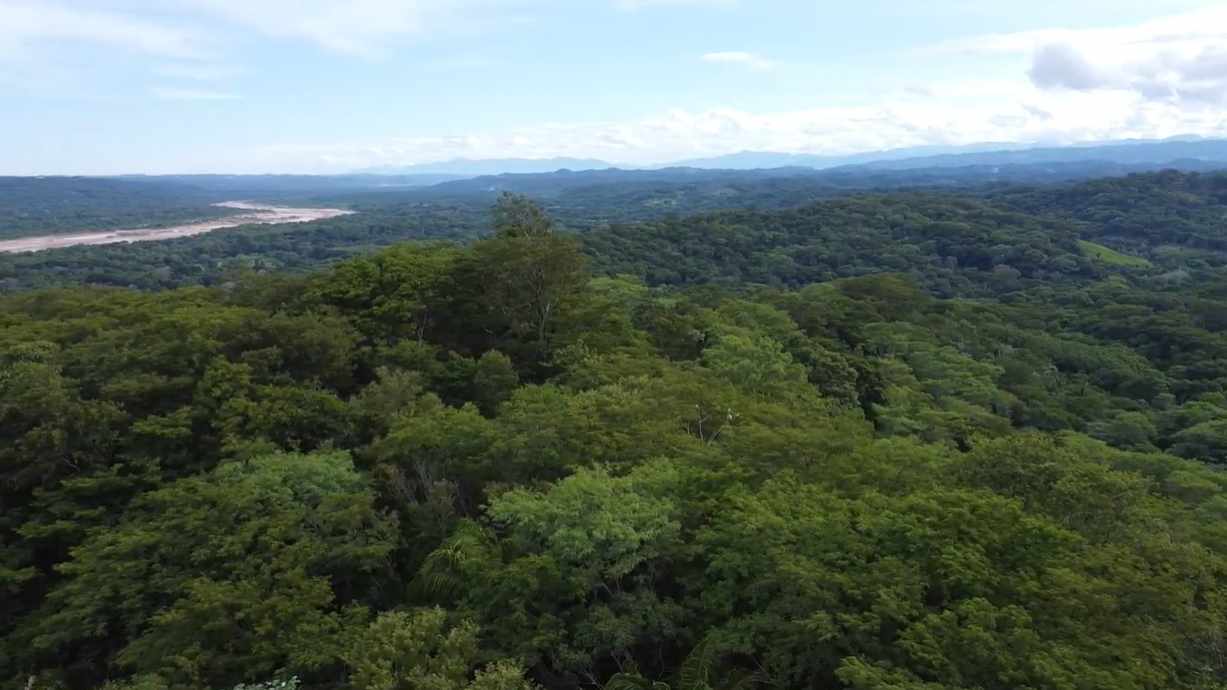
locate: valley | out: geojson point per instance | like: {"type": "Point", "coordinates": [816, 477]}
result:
{"type": "Point", "coordinates": [250, 214]}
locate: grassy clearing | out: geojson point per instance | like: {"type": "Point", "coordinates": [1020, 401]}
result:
{"type": "Point", "coordinates": [1111, 257]}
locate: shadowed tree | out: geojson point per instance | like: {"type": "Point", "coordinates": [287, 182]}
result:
{"type": "Point", "coordinates": [526, 269]}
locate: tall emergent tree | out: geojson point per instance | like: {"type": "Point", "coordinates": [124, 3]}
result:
{"type": "Point", "coordinates": [526, 269]}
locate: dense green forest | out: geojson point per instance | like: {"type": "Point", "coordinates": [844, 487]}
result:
{"type": "Point", "coordinates": [903, 441]}
{"type": "Point", "coordinates": [51, 205]}
{"type": "Point", "coordinates": [396, 208]}
{"type": "Point", "coordinates": [214, 258]}
{"type": "Point", "coordinates": [776, 227]}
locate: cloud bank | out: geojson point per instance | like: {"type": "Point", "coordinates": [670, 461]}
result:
{"type": "Point", "coordinates": [909, 120]}
{"type": "Point", "coordinates": [1152, 79]}
{"type": "Point", "coordinates": [1180, 58]}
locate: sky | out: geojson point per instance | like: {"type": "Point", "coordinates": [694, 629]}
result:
{"type": "Point", "coordinates": [327, 86]}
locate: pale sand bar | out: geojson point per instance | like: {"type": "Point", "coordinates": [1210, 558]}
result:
{"type": "Point", "coordinates": [256, 214]}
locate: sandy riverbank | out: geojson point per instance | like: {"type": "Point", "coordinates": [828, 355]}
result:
{"type": "Point", "coordinates": [254, 214]}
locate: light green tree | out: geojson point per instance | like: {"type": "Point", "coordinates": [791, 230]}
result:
{"type": "Point", "coordinates": [418, 650]}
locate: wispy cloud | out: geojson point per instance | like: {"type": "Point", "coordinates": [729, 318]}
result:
{"type": "Point", "coordinates": [365, 28]}
{"type": "Point", "coordinates": [351, 27]}
{"type": "Point", "coordinates": [177, 94]}
{"type": "Point", "coordinates": [25, 23]}
{"type": "Point", "coordinates": [737, 57]}
{"type": "Point", "coordinates": [185, 28]}
{"type": "Point", "coordinates": [195, 71]}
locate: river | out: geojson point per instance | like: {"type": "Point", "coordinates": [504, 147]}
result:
{"type": "Point", "coordinates": [253, 214]}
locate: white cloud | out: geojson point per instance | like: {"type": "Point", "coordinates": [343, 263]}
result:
{"type": "Point", "coordinates": [1153, 79]}
{"type": "Point", "coordinates": [25, 23]}
{"type": "Point", "coordinates": [953, 113]}
{"type": "Point", "coordinates": [1179, 58]}
{"type": "Point", "coordinates": [737, 57]}
{"type": "Point", "coordinates": [1057, 65]}
{"type": "Point", "coordinates": [167, 93]}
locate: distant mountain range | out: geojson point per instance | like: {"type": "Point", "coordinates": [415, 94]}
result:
{"type": "Point", "coordinates": [792, 175]}
{"type": "Point", "coordinates": [1133, 152]}
{"type": "Point", "coordinates": [1126, 153]}
{"type": "Point", "coordinates": [469, 167]}
{"type": "Point", "coordinates": [733, 184]}
{"type": "Point", "coordinates": [753, 160]}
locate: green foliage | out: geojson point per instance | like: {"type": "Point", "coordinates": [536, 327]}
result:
{"type": "Point", "coordinates": [756, 363]}
{"type": "Point", "coordinates": [291, 683]}
{"type": "Point", "coordinates": [419, 651]}
{"type": "Point", "coordinates": [392, 294]}
{"type": "Point", "coordinates": [1207, 441]}
{"type": "Point", "coordinates": [198, 575]}
{"type": "Point", "coordinates": [968, 457]}
{"type": "Point", "coordinates": [515, 215]}
{"type": "Point", "coordinates": [53, 205]}
{"type": "Point", "coordinates": [1111, 257]}
{"type": "Point", "coordinates": [494, 380]}
{"type": "Point", "coordinates": [527, 277]}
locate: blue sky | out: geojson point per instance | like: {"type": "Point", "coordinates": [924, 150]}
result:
{"type": "Point", "coordinates": [119, 86]}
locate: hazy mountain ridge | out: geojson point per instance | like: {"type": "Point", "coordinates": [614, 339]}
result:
{"type": "Point", "coordinates": [748, 160]}
{"type": "Point", "coordinates": [471, 167]}
{"type": "Point", "coordinates": [1140, 153]}
{"type": "Point", "coordinates": [49, 205]}
{"type": "Point", "coordinates": [988, 153]}
{"type": "Point", "coordinates": [229, 185]}
{"type": "Point", "coordinates": [844, 178]}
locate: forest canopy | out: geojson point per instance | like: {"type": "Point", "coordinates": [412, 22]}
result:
{"type": "Point", "coordinates": [887, 442]}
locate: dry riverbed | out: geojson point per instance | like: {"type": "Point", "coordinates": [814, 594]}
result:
{"type": "Point", "coordinates": [253, 214]}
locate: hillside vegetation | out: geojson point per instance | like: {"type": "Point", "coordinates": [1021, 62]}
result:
{"type": "Point", "coordinates": [801, 225]}
{"type": "Point", "coordinates": [54, 205]}
{"type": "Point", "coordinates": [889, 442]}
